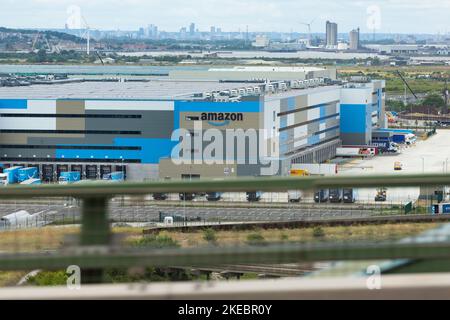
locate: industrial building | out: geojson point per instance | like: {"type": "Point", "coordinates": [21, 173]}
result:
{"type": "Point", "coordinates": [99, 127]}
{"type": "Point", "coordinates": [362, 111]}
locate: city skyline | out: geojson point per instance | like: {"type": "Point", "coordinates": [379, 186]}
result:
{"type": "Point", "coordinates": [393, 16]}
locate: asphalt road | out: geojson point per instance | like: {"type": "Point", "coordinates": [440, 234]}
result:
{"type": "Point", "coordinates": [429, 156]}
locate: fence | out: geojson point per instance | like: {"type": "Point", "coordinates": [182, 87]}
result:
{"type": "Point", "coordinates": [96, 247]}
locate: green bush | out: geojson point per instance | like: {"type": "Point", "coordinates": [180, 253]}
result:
{"type": "Point", "coordinates": [256, 239]}
{"type": "Point", "coordinates": [284, 237]}
{"type": "Point", "coordinates": [46, 278]}
{"type": "Point", "coordinates": [318, 232]}
{"type": "Point", "coordinates": [156, 241]}
{"type": "Point", "coordinates": [210, 236]}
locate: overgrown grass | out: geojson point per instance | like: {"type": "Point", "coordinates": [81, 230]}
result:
{"type": "Point", "coordinates": [308, 235]}
{"type": "Point", "coordinates": [10, 278]}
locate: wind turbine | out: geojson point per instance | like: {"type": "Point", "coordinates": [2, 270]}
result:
{"type": "Point", "coordinates": [309, 29]}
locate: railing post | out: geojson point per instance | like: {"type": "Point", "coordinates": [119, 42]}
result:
{"type": "Point", "coordinates": [95, 231]}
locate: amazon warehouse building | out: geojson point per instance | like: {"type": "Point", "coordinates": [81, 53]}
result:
{"type": "Point", "coordinates": [97, 127]}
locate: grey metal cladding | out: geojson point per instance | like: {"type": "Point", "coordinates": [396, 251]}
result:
{"type": "Point", "coordinates": [153, 124]}
{"type": "Point", "coordinates": [248, 170]}
{"type": "Point", "coordinates": [256, 170]}
{"type": "Point", "coordinates": [332, 134]}
{"type": "Point", "coordinates": [313, 127]}
{"type": "Point", "coordinates": [28, 153]}
{"type": "Point", "coordinates": [284, 105]}
{"type": "Point", "coordinates": [90, 139]}
{"type": "Point", "coordinates": [331, 109]}
{"type": "Point", "coordinates": [353, 139]}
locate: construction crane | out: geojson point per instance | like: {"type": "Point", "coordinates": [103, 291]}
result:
{"type": "Point", "coordinates": [406, 86]}
{"type": "Point", "coordinates": [309, 30]}
{"type": "Point", "coordinates": [446, 94]}
{"type": "Point", "coordinates": [100, 57]}
{"type": "Point", "coordinates": [43, 37]}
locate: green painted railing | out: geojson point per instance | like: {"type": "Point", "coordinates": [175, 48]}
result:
{"type": "Point", "coordinates": [97, 252]}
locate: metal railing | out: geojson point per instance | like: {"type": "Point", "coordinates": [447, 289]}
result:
{"type": "Point", "coordinates": [97, 249]}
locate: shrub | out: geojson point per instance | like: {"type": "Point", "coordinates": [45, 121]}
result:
{"type": "Point", "coordinates": [284, 237]}
{"type": "Point", "coordinates": [256, 239]}
{"type": "Point", "coordinates": [156, 241]}
{"type": "Point", "coordinates": [48, 279]}
{"type": "Point", "coordinates": [318, 232]}
{"type": "Point", "coordinates": [210, 236]}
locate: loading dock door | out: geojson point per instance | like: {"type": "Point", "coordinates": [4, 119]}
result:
{"type": "Point", "coordinates": [91, 172]}
{"type": "Point", "coordinates": [61, 168]}
{"type": "Point", "coordinates": [105, 170]}
{"type": "Point", "coordinates": [77, 168]}
{"type": "Point", "coordinates": [47, 173]}
{"type": "Point", "coordinates": [122, 169]}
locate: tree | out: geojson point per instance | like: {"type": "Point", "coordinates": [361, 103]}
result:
{"type": "Point", "coordinates": [41, 56]}
{"type": "Point", "coordinates": [435, 101]}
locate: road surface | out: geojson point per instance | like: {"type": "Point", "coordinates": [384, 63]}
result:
{"type": "Point", "coordinates": [429, 156]}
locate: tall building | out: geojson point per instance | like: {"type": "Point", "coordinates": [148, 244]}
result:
{"type": "Point", "coordinates": [354, 39]}
{"type": "Point", "coordinates": [152, 31]}
{"type": "Point", "coordinates": [332, 34]}
{"type": "Point", "coordinates": [192, 29]}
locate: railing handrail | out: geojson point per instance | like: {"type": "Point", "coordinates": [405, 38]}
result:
{"type": "Point", "coordinates": [272, 184]}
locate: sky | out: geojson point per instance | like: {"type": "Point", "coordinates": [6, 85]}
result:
{"type": "Point", "coordinates": [384, 16]}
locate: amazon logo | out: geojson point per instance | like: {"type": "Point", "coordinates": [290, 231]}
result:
{"type": "Point", "coordinates": [221, 119]}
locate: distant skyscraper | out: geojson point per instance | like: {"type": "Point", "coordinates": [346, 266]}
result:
{"type": "Point", "coordinates": [332, 34]}
{"type": "Point", "coordinates": [192, 29]}
{"type": "Point", "coordinates": [213, 30]}
{"type": "Point", "coordinates": [152, 31]}
{"type": "Point", "coordinates": [354, 39]}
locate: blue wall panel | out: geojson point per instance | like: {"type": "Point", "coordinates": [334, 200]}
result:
{"type": "Point", "coordinates": [152, 151]}
{"type": "Point", "coordinates": [13, 104]}
{"type": "Point", "coordinates": [313, 140]}
{"type": "Point", "coordinates": [354, 118]}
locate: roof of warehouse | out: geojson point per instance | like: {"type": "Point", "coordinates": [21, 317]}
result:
{"type": "Point", "coordinates": [267, 69]}
{"type": "Point", "coordinates": [157, 89]}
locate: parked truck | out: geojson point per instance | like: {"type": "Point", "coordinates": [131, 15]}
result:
{"type": "Point", "coordinates": [356, 152]}
{"type": "Point", "coordinates": [213, 196]}
{"type": "Point", "coordinates": [28, 173]}
{"type": "Point", "coordinates": [322, 196]}
{"type": "Point", "coordinates": [114, 176]}
{"type": "Point", "coordinates": [254, 196]}
{"type": "Point", "coordinates": [386, 146]}
{"type": "Point", "coordinates": [381, 195]}
{"type": "Point", "coordinates": [336, 195]}
{"type": "Point", "coordinates": [349, 196]}
{"type": "Point", "coordinates": [187, 196]}
{"type": "Point", "coordinates": [10, 176]}
{"type": "Point", "coordinates": [69, 177]}
{"type": "Point", "coordinates": [324, 169]}
{"type": "Point", "coordinates": [295, 196]}
{"type": "Point", "coordinates": [439, 209]}
{"type": "Point", "coordinates": [160, 196]}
